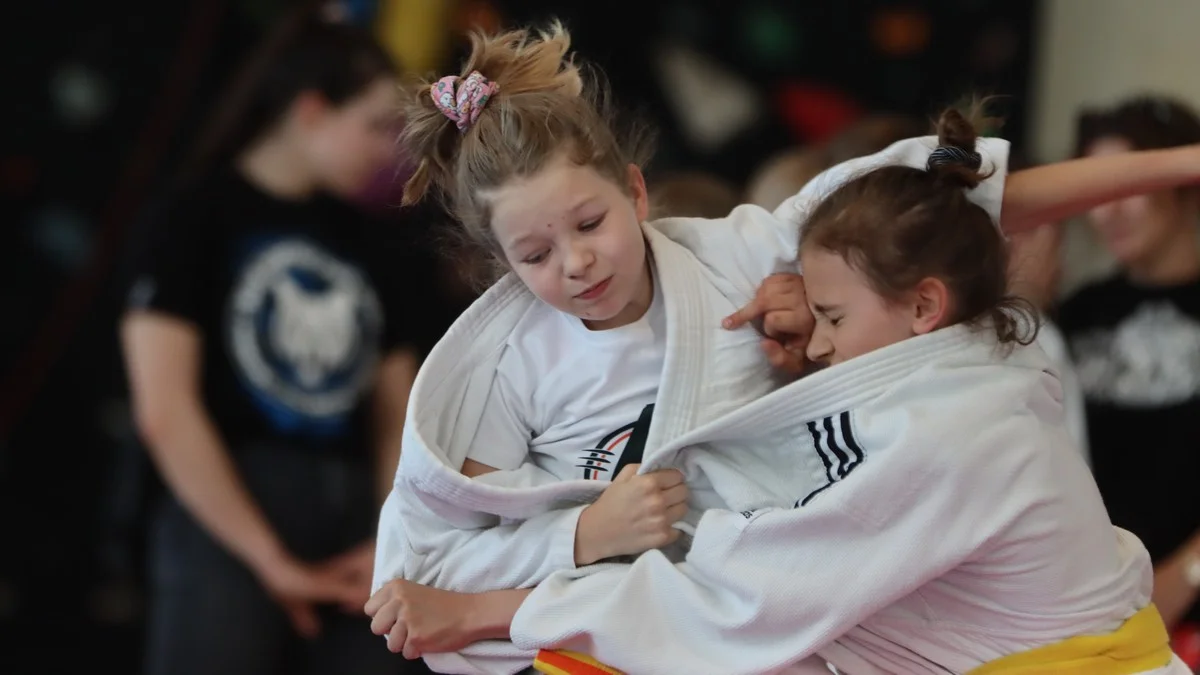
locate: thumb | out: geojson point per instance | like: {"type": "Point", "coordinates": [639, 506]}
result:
{"type": "Point", "coordinates": [627, 474]}
{"type": "Point", "coordinates": [751, 311]}
{"type": "Point", "coordinates": [354, 606]}
{"type": "Point", "coordinates": [354, 591]}
{"type": "Point", "coordinates": [334, 586]}
{"type": "Point", "coordinates": [783, 358]}
{"type": "Point", "coordinates": [304, 619]}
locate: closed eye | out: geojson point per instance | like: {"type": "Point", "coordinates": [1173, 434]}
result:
{"type": "Point", "coordinates": [536, 258]}
{"type": "Point", "coordinates": [591, 225]}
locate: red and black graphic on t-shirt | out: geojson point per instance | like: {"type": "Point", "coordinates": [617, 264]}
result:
{"type": "Point", "coordinates": [617, 449]}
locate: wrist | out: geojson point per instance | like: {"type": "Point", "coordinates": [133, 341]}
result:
{"type": "Point", "coordinates": [266, 556]}
{"type": "Point", "coordinates": [490, 615]}
{"type": "Point", "coordinates": [586, 551]}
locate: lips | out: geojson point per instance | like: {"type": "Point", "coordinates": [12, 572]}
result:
{"type": "Point", "coordinates": [595, 291]}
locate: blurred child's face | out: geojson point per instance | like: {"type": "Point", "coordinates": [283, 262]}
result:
{"type": "Point", "coordinates": [1138, 231]}
{"type": "Point", "coordinates": [349, 143]}
{"type": "Point", "coordinates": [851, 318]}
{"type": "Point", "coordinates": [575, 239]}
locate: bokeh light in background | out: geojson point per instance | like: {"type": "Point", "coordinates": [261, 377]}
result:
{"type": "Point", "coordinates": [900, 31]}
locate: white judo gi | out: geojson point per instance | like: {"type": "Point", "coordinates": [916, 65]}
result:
{"type": "Point", "coordinates": [780, 571]}
{"type": "Point", "coordinates": [947, 521]}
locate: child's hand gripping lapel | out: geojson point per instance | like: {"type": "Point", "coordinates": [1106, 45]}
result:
{"type": "Point", "coordinates": [634, 514]}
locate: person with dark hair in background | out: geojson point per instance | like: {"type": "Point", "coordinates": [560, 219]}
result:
{"type": "Point", "coordinates": [1135, 338]}
{"type": "Point", "coordinates": [270, 347]}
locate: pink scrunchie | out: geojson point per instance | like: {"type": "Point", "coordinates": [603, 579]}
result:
{"type": "Point", "coordinates": [464, 106]}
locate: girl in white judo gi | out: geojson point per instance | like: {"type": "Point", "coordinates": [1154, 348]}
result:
{"type": "Point", "coordinates": [606, 337]}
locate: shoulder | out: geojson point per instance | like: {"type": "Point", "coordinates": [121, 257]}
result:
{"type": "Point", "coordinates": [1093, 301]}
{"type": "Point", "coordinates": [1097, 290]}
{"type": "Point", "coordinates": [746, 246]}
{"type": "Point", "coordinates": [217, 191]}
{"type": "Point", "coordinates": [199, 208]}
{"type": "Point", "coordinates": [977, 403]}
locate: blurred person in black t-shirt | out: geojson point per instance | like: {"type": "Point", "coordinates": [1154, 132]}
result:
{"type": "Point", "coordinates": [1135, 340]}
{"type": "Point", "coordinates": [272, 333]}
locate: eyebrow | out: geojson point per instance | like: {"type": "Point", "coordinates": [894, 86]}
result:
{"type": "Point", "coordinates": [582, 204]}
{"type": "Point", "coordinates": [824, 309]}
{"type": "Point", "coordinates": [579, 206]}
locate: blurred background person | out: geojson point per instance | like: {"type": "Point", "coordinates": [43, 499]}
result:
{"type": "Point", "coordinates": [786, 172]}
{"type": "Point", "coordinates": [691, 194]}
{"type": "Point", "coordinates": [271, 337]}
{"type": "Point", "coordinates": [1135, 339]}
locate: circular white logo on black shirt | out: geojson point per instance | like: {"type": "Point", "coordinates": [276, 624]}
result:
{"type": "Point", "coordinates": [304, 331]}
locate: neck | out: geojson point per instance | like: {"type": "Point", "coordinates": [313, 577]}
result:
{"type": "Point", "coordinates": [275, 166]}
{"type": "Point", "coordinates": [1176, 262]}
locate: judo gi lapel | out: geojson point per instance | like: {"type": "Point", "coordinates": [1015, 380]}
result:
{"type": "Point", "coordinates": [689, 330]}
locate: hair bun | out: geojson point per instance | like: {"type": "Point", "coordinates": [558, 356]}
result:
{"type": "Point", "coordinates": [955, 162]}
{"type": "Point", "coordinates": [952, 155]}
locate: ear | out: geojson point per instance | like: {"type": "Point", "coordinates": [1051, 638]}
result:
{"type": "Point", "coordinates": [637, 189]}
{"type": "Point", "coordinates": [309, 109]}
{"type": "Point", "coordinates": [931, 306]}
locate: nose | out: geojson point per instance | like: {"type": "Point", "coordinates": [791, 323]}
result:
{"type": "Point", "coordinates": [820, 348]}
{"type": "Point", "coordinates": [578, 259]}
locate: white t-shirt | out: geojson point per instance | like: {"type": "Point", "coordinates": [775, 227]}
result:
{"type": "Point", "coordinates": [576, 402]}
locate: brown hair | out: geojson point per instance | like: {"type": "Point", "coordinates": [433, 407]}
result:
{"type": "Point", "coordinates": [546, 104]}
{"type": "Point", "coordinates": [1147, 122]}
{"type": "Point", "coordinates": [307, 52]}
{"type": "Point", "coordinates": [898, 225]}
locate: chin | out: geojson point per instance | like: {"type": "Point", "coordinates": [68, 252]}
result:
{"type": "Point", "coordinates": [600, 313]}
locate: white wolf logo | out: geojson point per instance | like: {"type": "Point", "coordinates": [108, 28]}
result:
{"type": "Point", "coordinates": [315, 331]}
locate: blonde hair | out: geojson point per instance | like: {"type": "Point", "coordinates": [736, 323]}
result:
{"type": "Point", "coordinates": [546, 104]}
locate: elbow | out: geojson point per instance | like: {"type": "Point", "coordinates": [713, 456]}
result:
{"type": "Point", "coordinates": [151, 422]}
{"type": "Point", "coordinates": [157, 419]}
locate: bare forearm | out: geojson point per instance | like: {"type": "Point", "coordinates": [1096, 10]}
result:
{"type": "Point", "coordinates": [387, 456]}
{"type": "Point", "coordinates": [1051, 193]}
{"type": "Point", "coordinates": [492, 614]}
{"type": "Point", "coordinates": [396, 375]}
{"type": "Point", "coordinates": [196, 466]}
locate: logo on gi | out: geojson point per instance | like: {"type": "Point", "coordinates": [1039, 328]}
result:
{"type": "Point", "coordinates": [304, 330]}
